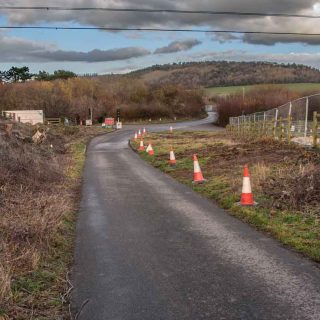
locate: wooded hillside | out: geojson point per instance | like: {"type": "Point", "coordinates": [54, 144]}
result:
{"type": "Point", "coordinates": [223, 73]}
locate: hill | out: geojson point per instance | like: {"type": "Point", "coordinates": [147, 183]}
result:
{"type": "Point", "coordinates": [224, 73]}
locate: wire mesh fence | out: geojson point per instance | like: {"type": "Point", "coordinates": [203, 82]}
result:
{"type": "Point", "coordinates": [297, 121]}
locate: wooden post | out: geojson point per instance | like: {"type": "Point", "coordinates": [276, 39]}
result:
{"type": "Point", "coordinates": [281, 129]}
{"type": "Point", "coordinates": [306, 118]}
{"type": "Point", "coordinates": [275, 123]}
{"type": "Point", "coordinates": [289, 128]}
{"type": "Point", "coordinates": [264, 121]}
{"type": "Point", "coordinates": [315, 129]}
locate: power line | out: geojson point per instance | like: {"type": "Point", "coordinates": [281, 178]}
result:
{"type": "Point", "coordinates": [161, 30]}
{"type": "Point", "coordinates": [208, 12]}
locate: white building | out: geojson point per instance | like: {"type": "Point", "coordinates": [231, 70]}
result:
{"type": "Point", "coordinates": [26, 116]}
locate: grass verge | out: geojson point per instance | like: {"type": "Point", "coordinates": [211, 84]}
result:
{"type": "Point", "coordinates": [285, 180]}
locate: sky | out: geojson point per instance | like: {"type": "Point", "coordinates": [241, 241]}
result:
{"type": "Point", "coordinates": [103, 52]}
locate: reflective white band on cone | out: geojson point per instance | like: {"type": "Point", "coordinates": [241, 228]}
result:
{"type": "Point", "coordinates": [196, 167]}
{"type": "Point", "coordinates": [246, 187]}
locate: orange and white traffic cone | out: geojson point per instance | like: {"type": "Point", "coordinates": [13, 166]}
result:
{"type": "Point", "coordinates": [171, 129]}
{"type": "Point", "coordinates": [246, 196]}
{"type": "Point", "coordinates": [139, 134]}
{"type": "Point", "coordinates": [141, 147]}
{"type": "Point", "coordinates": [144, 131]}
{"type": "Point", "coordinates": [149, 150]}
{"type": "Point", "coordinates": [172, 158]}
{"type": "Point", "coordinates": [135, 136]}
{"type": "Point", "coordinates": [197, 174]}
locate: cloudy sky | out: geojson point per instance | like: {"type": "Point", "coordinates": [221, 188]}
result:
{"type": "Point", "coordinates": [92, 51]}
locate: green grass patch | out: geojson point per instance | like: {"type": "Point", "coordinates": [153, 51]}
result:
{"type": "Point", "coordinates": [78, 150]}
{"type": "Point", "coordinates": [300, 87]}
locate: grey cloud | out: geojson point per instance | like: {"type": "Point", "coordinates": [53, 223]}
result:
{"type": "Point", "coordinates": [130, 19]}
{"type": "Point", "coordinates": [225, 37]}
{"type": "Point", "coordinates": [177, 46]}
{"type": "Point", "coordinates": [94, 55]}
{"type": "Point", "coordinates": [269, 40]}
{"type": "Point", "coordinates": [14, 49]}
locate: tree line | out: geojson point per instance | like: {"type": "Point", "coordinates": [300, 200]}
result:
{"type": "Point", "coordinates": [74, 96]}
{"type": "Point", "coordinates": [23, 74]}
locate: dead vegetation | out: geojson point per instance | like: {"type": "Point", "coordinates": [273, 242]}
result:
{"type": "Point", "coordinates": [288, 173]}
{"type": "Point", "coordinates": [296, 190]}
{"type": "Point", "coordinates": [37, 205]}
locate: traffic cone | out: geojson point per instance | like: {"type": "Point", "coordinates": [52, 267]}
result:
{"type": "Point", "coordinates": [172, 158]}
{"type": "Point", "coordinates": [144, 131]}
{"type": "Point", "coordinates": [135, 136]}
{"type": "Point", "coordinates": [246, 196]}
{"type": "Point", "coordinates": [141, 147]}
{"type": "Point", "coordinates": [171, 129]}
{"type": "Point", "coordinates": [139, 134]}
{"type": "Point", "coordinates": [149, 150]}
{"type": "Point", "coordinates": [197, 174]}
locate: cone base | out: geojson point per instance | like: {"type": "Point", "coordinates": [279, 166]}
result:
{"type": "Point", "coordinates": [247, 205]}
{"type": "Point", "coordinates": [151, 153]}
{"type": "Point", "coordinates": [199, 181]}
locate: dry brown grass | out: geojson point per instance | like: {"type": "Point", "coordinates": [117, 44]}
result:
{"type": "Point", "coordinates": [37, 204]}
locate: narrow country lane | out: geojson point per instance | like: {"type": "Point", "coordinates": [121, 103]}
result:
{"type": "Point", "coordinates": [149, 248]}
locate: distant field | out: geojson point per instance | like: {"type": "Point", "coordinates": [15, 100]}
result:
{"type": "Point", "coordinates": [238, 89]}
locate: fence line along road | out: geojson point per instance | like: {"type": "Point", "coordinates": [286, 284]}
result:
{"type": "Point", "coordinates": [297, 121]}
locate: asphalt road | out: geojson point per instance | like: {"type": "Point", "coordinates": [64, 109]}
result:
{"type": "Point", "coordinates": [150, 248]}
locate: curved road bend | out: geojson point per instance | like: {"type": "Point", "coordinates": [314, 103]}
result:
{"type": "Point", "coordinates": [149, 248]}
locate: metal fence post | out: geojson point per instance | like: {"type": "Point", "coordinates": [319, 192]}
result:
{"type": "Point", "coordinates": [306, 119]}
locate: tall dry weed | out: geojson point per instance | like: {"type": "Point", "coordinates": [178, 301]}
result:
{"type": "Point", "coordinates": [34, 196]}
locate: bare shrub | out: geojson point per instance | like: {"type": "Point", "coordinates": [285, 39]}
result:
{"type": "Point", "coordinates": [295, 189]}
{"type": "Point", "coordinates": [73, 97]}
{"type": "Point", "coordinates": [260, 99]}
